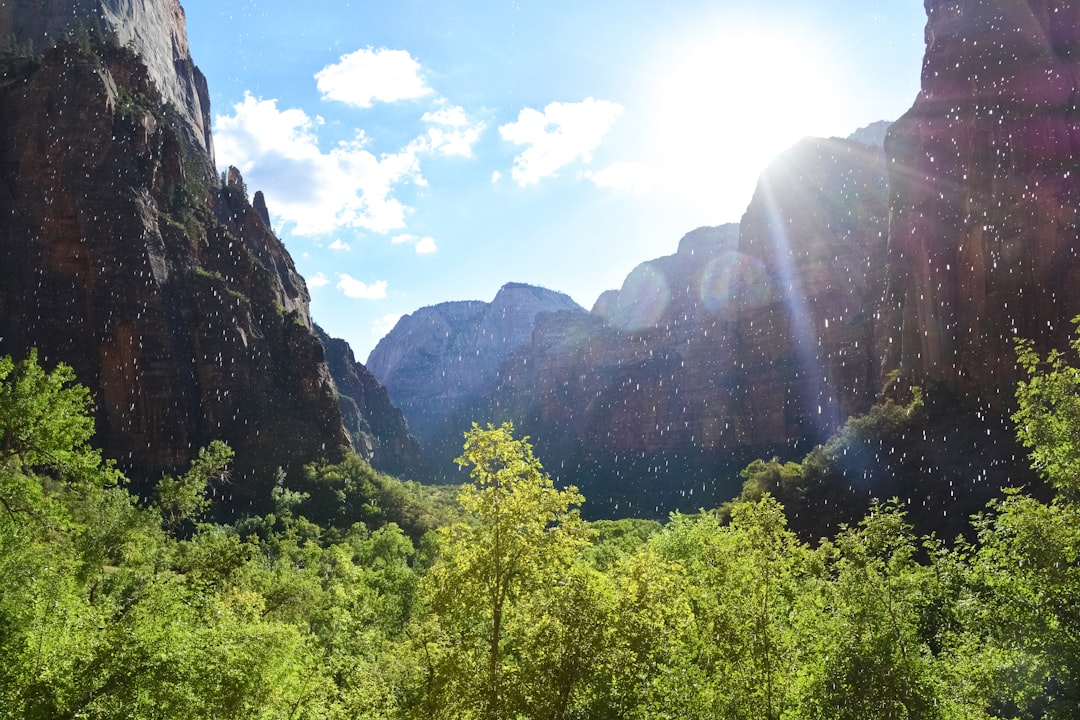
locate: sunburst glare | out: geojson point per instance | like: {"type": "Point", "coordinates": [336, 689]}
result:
{"type": "Point", "coordinates": [729, 100]}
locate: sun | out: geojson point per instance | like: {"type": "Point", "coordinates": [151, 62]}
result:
{"type": "Point", "coordinates": [727, 103]}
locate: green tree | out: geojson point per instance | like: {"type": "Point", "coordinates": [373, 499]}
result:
{"type": "Point", "coordinates": [868, 656]}
{"type": "Point", "coordinates": [524, 533]}
{"type": "Point", "coordinates": [1021, 646]}
{"type": "Point", "coordinates": [745, 583]}
{"type": "Point", "coordinates": [45, 421]}
{"type": "Point", "coordinates": [45, 432]}
{"type": "Point", "coordinates": [564, 635]}
{"type": "Point", "coordinates": [102, 614]}
{"type": "Point", "coordinates": [1048, 417]}
{"type": "Point", "coordinates": [1019, 649]}
{"type": "Point", "coordinates": [184, 498]}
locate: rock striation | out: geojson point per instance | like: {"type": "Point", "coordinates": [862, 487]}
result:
{"type": "Point", "coordinates": [985, 194]}
{"type": "Point", "coordinates": [124, 255]}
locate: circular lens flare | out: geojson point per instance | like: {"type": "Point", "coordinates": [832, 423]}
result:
{"type": "Point", "coordinates": [734, 276]}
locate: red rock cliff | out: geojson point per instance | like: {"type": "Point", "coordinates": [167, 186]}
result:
{"type": "Point", "coordinates": [750, 340]}
{"type": "Point", "coordinates": [985, 185]}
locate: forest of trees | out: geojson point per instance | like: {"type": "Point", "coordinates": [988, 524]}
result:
{"type": "Point", "coordinates": [362, 596]}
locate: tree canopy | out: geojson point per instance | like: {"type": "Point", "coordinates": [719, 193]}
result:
{"type": "Point", "coordinates": [511, 606]}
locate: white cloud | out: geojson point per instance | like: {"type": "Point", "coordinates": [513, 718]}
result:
{"type": "Point", "coordinates": [452, 143]}
{"type": "Point", "coordinates": [314, 191]}
{"type": "Point", "coordinates": [454, 133]}
{"type": "Point", "coordinates": [384, 324]}
{"type": "Point", "coordinates": [558, 136]}
{"type": "Point", "coordinates": [423, 245]}
{"type": "Point", "coordinates": [317, 281]}
{"type": "Point", "coordinates": [338, 245]}
{"type": "Point", "coordinates": [362, 77]}
{"type": "Point", "coordinates": [358, 289]}
{"type": "Point", "coordinates": [496, 176]}
{"type": "Point", "coordinates": [630, 176]}
{"type": "Point", "coordinates": [452, 115]}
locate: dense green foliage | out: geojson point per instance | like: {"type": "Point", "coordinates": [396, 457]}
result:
{"type": "Point", "coordinates": [832, 485]}
{"type": "Point", "coordinates": [1049, 414]}
{"type": "Point", "coordinates": [363, 597]}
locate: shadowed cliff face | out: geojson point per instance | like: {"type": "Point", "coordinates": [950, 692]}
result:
{"type": "Point", "coordinates": [817, 225]}
{"type": "Point", "coordinates": [169, 295]}
{"type": "Point", "coordinates": [750, 340]}
{"type": "Point", "coordinates": [377, 429]}
{"type": "Point", "coordinates": [985, 191]}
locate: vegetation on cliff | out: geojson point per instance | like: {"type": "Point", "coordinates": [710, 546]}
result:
{"type": "Point", "coordinates": [511, 606]}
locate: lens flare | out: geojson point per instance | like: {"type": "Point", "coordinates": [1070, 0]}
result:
{"type": "Point", "coordinates": [731, 276]}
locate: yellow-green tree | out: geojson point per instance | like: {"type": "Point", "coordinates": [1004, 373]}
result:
{"type": "Point", "coordinates": [1022, 640]}
{"type": "Point", "coordinates": [745, 583]}
{"type": "Point", "coordinates": [523, 534]}
{"type": "Point", "coordinates": [868, 638]}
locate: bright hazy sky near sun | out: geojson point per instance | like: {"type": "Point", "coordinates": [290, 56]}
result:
{"type": "Point", "coordinates": [418, 151]}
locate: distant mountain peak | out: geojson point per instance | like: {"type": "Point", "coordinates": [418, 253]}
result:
{"type": "Point", "coordinates": [435, 359]}
{"type": "Point", "coordinates": [872, 134]}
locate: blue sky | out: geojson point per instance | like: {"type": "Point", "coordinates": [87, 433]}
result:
{"type": "Point", "coordinates": [414, 152]}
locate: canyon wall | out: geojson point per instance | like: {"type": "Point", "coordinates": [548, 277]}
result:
{"type": "Point", "coordinates": [438, 362]}
{"type": "Point", "coordinates": [984, 195]}
{"type": "Point", "coordinates": [156, 30]}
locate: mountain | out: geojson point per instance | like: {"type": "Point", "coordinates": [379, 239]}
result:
{"type": "Point", "coordinates": [908, 255]}
{"type": "Point", "coordinates": [752, 338]}
{"type": "Point", "coordinates": [124, 254]}
{"type": "Point", "coordinates": [872, 134]}
{"type": "Point", "coordinates": [156, 30]}
{"type": "Point", "coordinates": [436, 362]}
{"type": "Point", "coordinates": [900, 257]}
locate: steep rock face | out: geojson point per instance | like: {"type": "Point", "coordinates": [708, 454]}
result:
{"type": "Point", "coordinates": [413, 359]}
{"type": "Point", "coordinates": [673, 290]}
{"type": "Point", "coordinates": [985, 192]}
{"type": "Point", "coordinates": [872, 134]}
{"type": "Point", "coordinates": [438, 360]}
{"type": "Point", "coordinates": [155, 29]}
{"type": "Point", "coordinates": [378, 430]}
{"type": "Point", "coordinates": [168, 294]}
